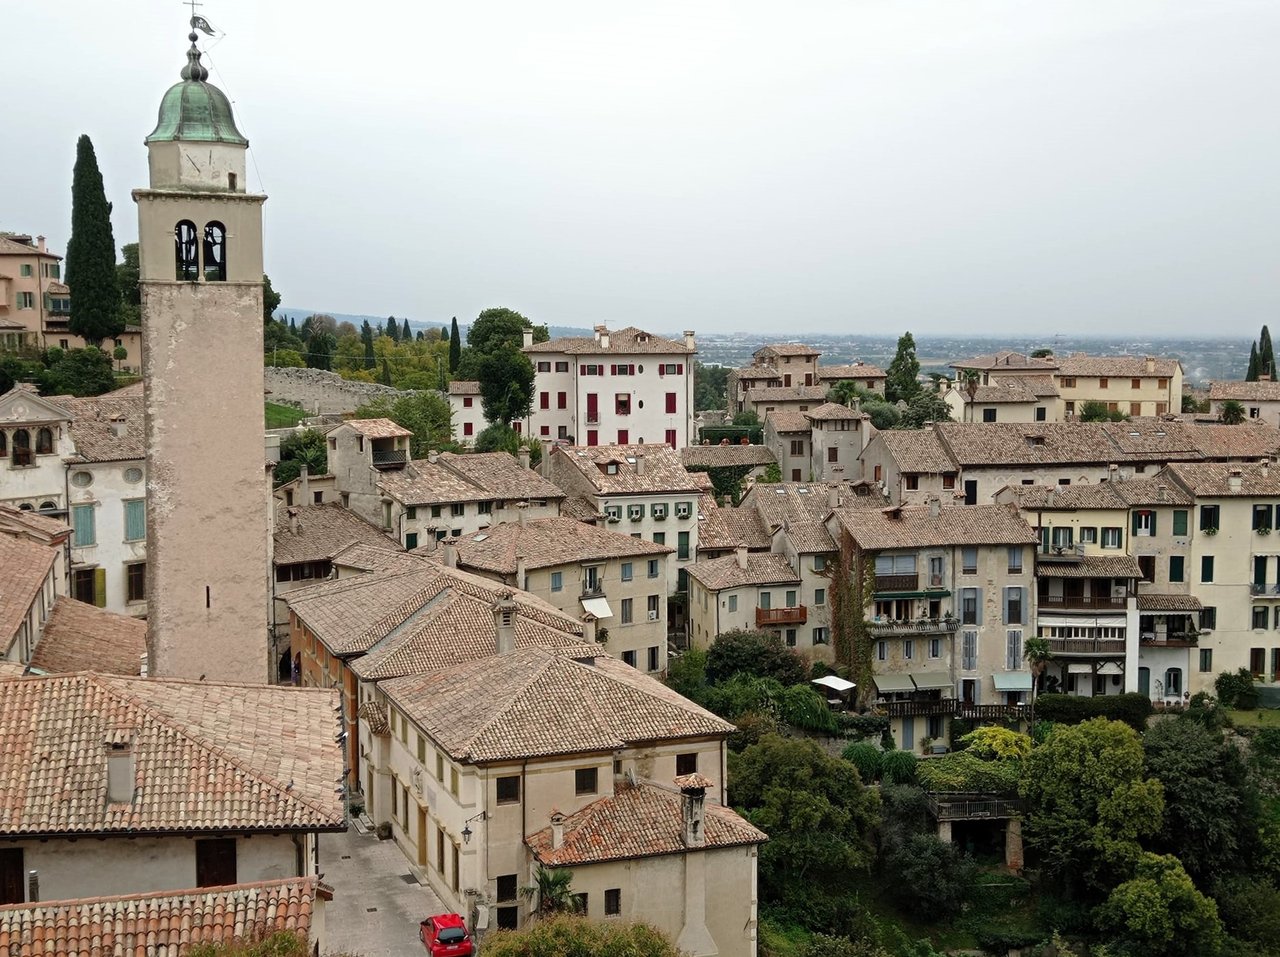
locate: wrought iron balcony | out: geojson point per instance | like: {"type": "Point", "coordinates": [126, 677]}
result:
{"type": "Point", "coordinates": [389, 459]}
{"type": "Point", "coordinates": [972, 807]}
{"type": "Point", "coordinates": [907, 628]}
{"type": "Point", "coordinates": [1060, 553]}
{"type": "Point", "coordinates": [888, 583]}
{"type": "Point", "coordinates": [1085, 602]}
{"type": "Point", "coordinates": [772, 617]}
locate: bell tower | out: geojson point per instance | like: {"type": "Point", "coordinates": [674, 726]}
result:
{"type": "Point", "coordinates": [200, 253]}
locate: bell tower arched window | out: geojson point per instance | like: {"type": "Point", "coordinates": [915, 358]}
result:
{"type": "Point", "coordinates": [215, 252]}
{"type": "Point", "coordinates": [22, 448]}
{"type": "Point", "coordinates": [186, 252]}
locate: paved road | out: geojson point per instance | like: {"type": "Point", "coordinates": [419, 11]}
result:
{"type": "Point", "coordinates": [376, 903]}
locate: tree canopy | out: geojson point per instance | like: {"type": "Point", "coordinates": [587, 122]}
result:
{"type": "Point", "coordinates": [426, 414]}
{"type": "Point", "coordinates": [758, 653]}
{"type": "Point", "coordinates": [91, 254]}
{"type": "Point", "coordinates": [571, 936]}
{"type": "Point", "coordinates": [1159, 911]}
{"type": "Point", "coordinates": [80, 372]}
{"type": "Point", "coordinates": [901, 378]}
{"type": "Point", "coordinates": [501, 327]}
{"type": "Point", "coordinates": [306, 447]}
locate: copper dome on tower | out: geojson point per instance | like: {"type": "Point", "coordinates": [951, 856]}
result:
{"type": "Point", "coordinates": [195, 110]}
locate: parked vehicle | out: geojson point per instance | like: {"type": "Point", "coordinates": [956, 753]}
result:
{"type": "Point", "coordinates": [445, 935]}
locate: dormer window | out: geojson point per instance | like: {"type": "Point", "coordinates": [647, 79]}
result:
{"type": "Point", "coordinates": [611, 468]}
{"type": "Point", "coordinates": [1034, 440]}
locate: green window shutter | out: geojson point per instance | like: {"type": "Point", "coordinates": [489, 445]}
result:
{"type": "Point", "coordinates": [1176, 573]}
{"type": "Point", "coordinates": [1180, 521]}
{"type": "Point", "coordinates": [135, 520]}
{"type": "Point", "coordinates": [1154, 514]}
{"type": "Point", "coordinates": [411, 540]}
{"type": "Point", "coordinates": [100, 587]}
{"type": "Point", "coordinates": [1206, 568]}
{"type": "Point", "coordinates": [1134, 524]}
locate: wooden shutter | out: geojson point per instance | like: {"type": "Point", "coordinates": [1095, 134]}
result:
{"type": "Point", "coordinates": [100, 587]}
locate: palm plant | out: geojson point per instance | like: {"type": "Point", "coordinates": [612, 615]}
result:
{"type": "Point", "coordinates": [554, 889]}
{"type": "Point", "coordinates": [1038, 655]}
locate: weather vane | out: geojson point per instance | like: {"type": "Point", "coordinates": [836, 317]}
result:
{"type": "Point", "coordinates": [198, 22]}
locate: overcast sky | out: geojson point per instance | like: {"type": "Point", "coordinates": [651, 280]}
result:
{"type": "Point", "coordinates": [944, 166]}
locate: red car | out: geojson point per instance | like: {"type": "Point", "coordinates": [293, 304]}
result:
{"type": "Point", "coordinates": [445, 935]}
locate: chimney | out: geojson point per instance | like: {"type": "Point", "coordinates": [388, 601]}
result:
{"type": "Point", "coordinates": [523, 456]}
{"type": "Point", "coordinates": [293, 520]}
{"type": "Point", "coordinates": [693, 791]}
{"type": "Point", "coordinates": [40, 243]}
{"type": "Point", "coordinates": [589, 625]}
{"type": "Point", "coordinates": [432, 541]}
{"type": "Point", "coordinates": [604, 338]}
{"type": "Point", "coordinates": [935, 507]}
{"type": "Point", "coordinates": [1162, 493]}
{"type": "Point", "coordinates": [522, 511]}
{"type": "Point", "coordinates": [833, 496]}
{"type": "Point", "coordinates": [119, 427]}
{"type": "Point", "coordinates": [450, 553]}
{"type": "Point", "coordinates": [121, 768]}
{"type": "Point", "coordinates": [1052, 498]}
{"type": "Point", "coordinates": [521, 572]}
{"type": "Point", "coordinates": [639, 463]}
{"type": "Point", "coordinates": [504, 623]}
{"type": "Point", "coordinates": [544, 467]}
{"type": "Point", "coordinates": [304, 484]}
{"type": "Point", "coordinates": [557, 830]}
{"type": "Point", "coordinates": [1150, 363]}
{"type": "Point", "coordinates": [741, 554]}
{"type": "Point", "coordinates": [433, 456]}
{"type": "Point", "coordinates": [527, 337]}
{"type": "Point", "coordinates": [599, 331]}
{"type": "Point", "coordinates": [1235, 481]}
{"type": "Point", "coordinates": [689, 342]}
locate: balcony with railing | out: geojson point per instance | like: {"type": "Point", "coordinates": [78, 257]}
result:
{"type": "Point", "coordinates": [1060, 553]}
{"type": "Point", "coordinates": [972, 806]}
{"type": "Point", "coordinates": [773, 617]}
{"type": "Point", "coordinates": [892, 583]}
{"type": "Point", "coordinates": [593, 589]}
{"type": "Point", "coordinates": [1087, 646]}
{"type": "Point", "coordinates": [919, 708]}
{"type": "Point", "coordinates": [911, 627]}
{"type": "Point", "coordinates": [389, 458]}
{"type": "Point", "coordinates": [1263, 590]}
{"type": "Point", "coordinates": [990, 712]}
{"type": "Point", "coordinates": [1086, 602]}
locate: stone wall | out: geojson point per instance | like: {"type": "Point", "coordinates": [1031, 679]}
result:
{"type": "Point", "coordinates": [316, 391]}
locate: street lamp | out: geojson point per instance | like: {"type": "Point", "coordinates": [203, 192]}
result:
{"type": "Point", "coordinates": [466, 831]}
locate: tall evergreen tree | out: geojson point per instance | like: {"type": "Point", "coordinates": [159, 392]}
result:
{"type": "Point", "coordinates": [96, 312]}
{"type": "Point", "coordinates": [293, 326]}
{"type": "Point", "coordinates": [393, 328]}
{"type": "Point", "coordinates": [1266, 355]}
{"type": "Point", "coordinates": [406, 334]}
{"type": "Point", "coordinates": [455, 346]}
{"type": "Point", "coordinates": [444, 333]}
{"type": "Point", "coordinates": [386, 371]}
{"type": "Point", "coordinates": [366, 336]}
{"type": "Point", "coordinates": [1252, 374]}
{"type": "Point", "coordinates": [901, 378]}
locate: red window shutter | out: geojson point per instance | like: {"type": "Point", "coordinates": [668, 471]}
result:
{"type": "Point", "coordinates": [623, 436]}
{"type": "Point", "coordinates": [593, 437]}
{"type": "Point", "coordinates": [662, 370]}
{"type": "Point", "coordinates": [671, 437]}
{"type": "Point", "coordinates": [582, 370]}
{"type": "Point", "coordinates": [467, 428]}
{"type": "Point", "coordinates": [544, 400]}
{"type": "Point", "coordinates": [671, 403]}
{"type": "Point", "coordinates": [680, 368]}
{"type": "Point", "coordinates": [562, 400]}
{"type": "Point", "coordinates": [613, 369]}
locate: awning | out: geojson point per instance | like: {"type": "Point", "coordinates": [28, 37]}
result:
{"type": "Point", "coordinates": [1013, 681]}
{"type": "Point", "coordinates": [1111, 668]}
{"type": "Point", "coordinates": [835, 683]}
{"type": "Point", "coordinates": [888, 684]}
{"type": "Point", "coordinates": [931, 593]}
{"type": "Point", "coordinates": [1080, 669]}
{"type": "Point", "coordinates": [599, 607]}
{"type": "Point", "coordinates": [1081, 621]}
{"type": "Point", "coordinates": [932, 680]}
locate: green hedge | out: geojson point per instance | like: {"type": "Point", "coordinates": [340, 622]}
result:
{"type": "Point", "coordinates": [961, 771]}
{"type": "Point", "coordinates": [1133, 709]}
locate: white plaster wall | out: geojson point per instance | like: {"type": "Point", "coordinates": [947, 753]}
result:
{"type": "Point", "coordinates": [112, 553]}
{"type": "Point", "coordinates": [464, 415]}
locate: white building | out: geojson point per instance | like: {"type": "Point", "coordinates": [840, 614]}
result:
{"type": "Point", "coordinates": [1261, 400]}
{"type": "Point", "coordinates": [622, 387]}
{"type": "Point", "coordinates": [468, 419]}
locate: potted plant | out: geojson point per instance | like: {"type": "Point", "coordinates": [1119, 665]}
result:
{"type": "Point", "coordinates": [926, 745]}
{"type": "Point", "coordinates": [1211, 531]}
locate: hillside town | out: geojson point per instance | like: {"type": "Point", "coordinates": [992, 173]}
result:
{"type": "Point", "coordinates": [577, 634]}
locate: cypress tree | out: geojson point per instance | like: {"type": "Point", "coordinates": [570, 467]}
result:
{"type": "Point", "coordinates": [444, 333]}
{"type": "Point", "coordinates": [455, 346]}
{"type": "Point", "coordinates": [900, 377]}
{"type": "Point", "coordinates": [1266, 355]}
{"type": "Point", "coordinates": [91, 253]}
{"type": "Point", "coordinates": [393, 329]}
{"type": "Point", "coordinates": [366, 336]}
{"type": "Point", "coordinates": [1252, 374]}
{"type": "Point", "coordinates": [406, 334]}
{"type": "Point", "coordinates": [293, 326]}
{"type": "Point", "coordinates": [386, 371]}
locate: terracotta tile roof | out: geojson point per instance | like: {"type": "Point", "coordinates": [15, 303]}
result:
{"type": "Point", "coordinates": [764, 372]}
{"type": "Point", "coordinates": [352, 615]}
{"type": "Point", "coordinates": [637, 821]}
{"type": "Point", "coordinates": [132, 389]}
{"type": "Point", "coordinates": [713, 531]}
{"type": "Point", "coordinates": [93, 429]}
{"type": "Point", "coordinates": [159, 925]}
{"type": "Point", "coordinates": [373, 715]}
{"type": "Point", "coordinates": [457, 628]}
{"type": "Point", "coordinates": [209, 757]}
{"type": "Point", "coordinates": [531, 703]}
{"type": "Point", "coordinates": [833, 411]}
{"type": "Point", "coordinates": [626, 341]}
{"type": "Point", "coordinates": [83, 637]}
{"type": "Point", "coordinates": [377, 428]}
{"type": "Point", "coordinates": [663, 471]}
{"type": "Point", "coordinates": [788, 393]}
{"type": "Point", "coordinates": [12, 669]}
{"type": "Point", "coordinates": [786, 349]}
{"type": "Point", "coordinates": [914, 526]}
{"type": "Point", "coordinates": [1103, 495]}
{"type": "Point", "coordinates": [745, 525]}
{"type": "Point", "coordinates": [1168, 603]}
{"type": "Point", "coordinates": [917, 451]}
{"type": "Point", "coordinates": [1245, 391]}
{"type": "Point", "coordinates": [787, 421]}
{"type": "Point", "coordinates": [1091, 566]}
{"type": "Point", "coordinates": [579, 508]}
{"type": "Point", "coordinates": [464, 387]}
{"type": "Point", "coordinates": [24, 565]}
{"type": "Point", "coordinates": [1040, 385]}
{"type": "Point", "coordinates": [476, 477]}
{"type": "Point", "coordinates": [58, 288]}
{"type": "Point", "coordinates": [369, 558]}
{"type": "Point", "coordinates": [10, 247]}
{"type": "Point", "coordinates": [859, 370]}
{"type": "Point", "coordinates": [1120, 367]}
{"type": "Point", "coordinates": [800, 507]}
{"type": "Point", "coordinates": [1006, 361]}
{"type": "Point", "coordinates": [548, 542]}
{"type": "Point", "coordinates": [763, 568]}
{"type": "Point", "coordinates": [1213, 480]}
{"type": "Point", "coordinates": [1003, 391]}
{"type": "Point", "coordinates": [28, 524]}
{"type": "Point", "coordinates": [725, 456]}
{"type": "Point", "coordinates": [322, 531]}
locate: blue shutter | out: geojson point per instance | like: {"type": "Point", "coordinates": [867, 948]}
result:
{"type": "Point", "coordinates": [135, 520]}
{"type": "Point", "coordinates": [82, 520]}
{"type": "Point", "coordinates": [978, 591]}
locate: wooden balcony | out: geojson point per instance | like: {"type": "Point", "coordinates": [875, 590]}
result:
{"type": "Point", "coordinates": [990, 712]}
{"type": "Point", "coordinates": [1060, 553]}
{"type": "Point", "coordinates": [910, 628]}
{"type": "Point", "coordinates": [774, 617]}
{"type": "Point", "coordinates": [1086, 646]}
{"type": "Point", "coordinates": [1085, 602]}
{"type": "Point", "coordinates": [926, 708]}
{"type": "Point", "coordinates": [889, 583]}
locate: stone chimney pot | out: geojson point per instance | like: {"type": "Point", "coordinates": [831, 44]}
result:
{"type": "Point", "coordinates": [741, 554]}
